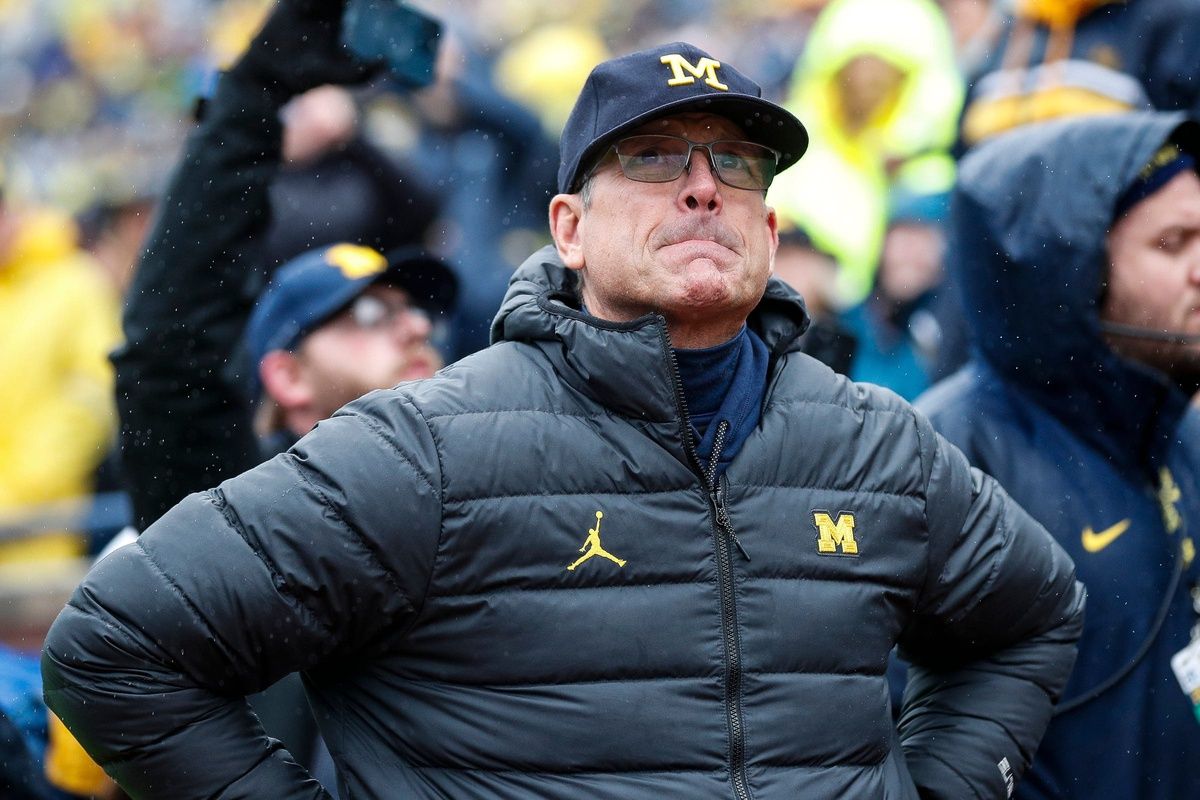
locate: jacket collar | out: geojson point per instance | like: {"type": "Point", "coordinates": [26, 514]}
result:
{"type": "Point", "coordinates": [628, 366]}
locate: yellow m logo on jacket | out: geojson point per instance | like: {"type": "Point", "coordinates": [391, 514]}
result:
{"type": "Point", "coordinates": [833, 535]}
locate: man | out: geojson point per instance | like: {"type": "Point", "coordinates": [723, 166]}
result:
{"type": "Point", "coordinates": [411, 554]}
{"type": "Point", "coordinates": [898, 335]}
{"type": "Point", "coordinates": [1079, 250]}
{"type": "Point", "coordinates": [811, 271]}
{"type": "Point", "coordinates": [338, 322]}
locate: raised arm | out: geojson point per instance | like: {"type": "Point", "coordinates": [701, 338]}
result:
{"type": "Point", "coordinates": [994, 639]}
{"type": "Point", "coordinates": [308, 559]}
{"type": "Point", "coordinates": [185, 421]}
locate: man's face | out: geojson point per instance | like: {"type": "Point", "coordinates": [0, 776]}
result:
{"type": "Point", "coordinates": [911, 262]}
{"type": "Point", "coordinates": [379, 341]}
{"type": "Point", "coordinates": [866, 84]}
{"type": "Point", "coordinates": [811, 273]}
{"type": "Point", "coordinates": [1154, 276]}
{"type": "Point", "coordinates": [695, 249]}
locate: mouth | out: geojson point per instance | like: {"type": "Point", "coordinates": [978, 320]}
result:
{"type": "Point", "coordinates": [418, 367]}
{"type": "Point", "coordinates": [700, 248]}
{"type": "Point", "coordinates": [698, 234]}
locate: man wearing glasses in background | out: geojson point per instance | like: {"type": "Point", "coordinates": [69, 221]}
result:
{"type": "Point", "coordinates": [639, 547]}
{"type": "Point", "coordinates": [336, 323]}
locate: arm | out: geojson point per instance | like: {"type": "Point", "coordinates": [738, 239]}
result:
{"type": "Point", "coordinates": [185, 421]}
{"type": "Point", "coordinates": [232, 589]}
{"type": "Point", "coordinates": [994, 638]}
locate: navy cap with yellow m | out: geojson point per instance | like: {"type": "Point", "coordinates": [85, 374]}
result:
{"type": "Point", "coordinates": [623, 93]}
{"type": "Point", "coordinates": [312, 288]}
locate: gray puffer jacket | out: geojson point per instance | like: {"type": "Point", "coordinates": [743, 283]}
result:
{"type": "Point", "coordinates": [514, 580]}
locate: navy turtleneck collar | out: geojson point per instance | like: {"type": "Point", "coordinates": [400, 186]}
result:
{"type": "Point", "coordinates": [724, 384]}
{"type": "Point", "coordinates": [706, 374]}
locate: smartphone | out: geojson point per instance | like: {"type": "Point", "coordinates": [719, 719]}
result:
{"type": "Point", "coordinates": [391, 31]}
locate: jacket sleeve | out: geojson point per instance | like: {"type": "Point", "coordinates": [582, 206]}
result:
{"type": "Point", "coordinates": [319, 557]}
{"type": "Point", "coordinates": [185, 418]}
{"type": "Point", "coordinates": [993, 640]}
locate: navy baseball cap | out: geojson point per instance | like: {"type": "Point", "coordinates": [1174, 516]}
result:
{"type": "Point", "coordinates": [313, 287]}
{"type": "Point", "coordinates": [623, 93]}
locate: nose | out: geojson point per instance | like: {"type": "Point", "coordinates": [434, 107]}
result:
{"type": "Point", "coordinates": [412, 325]}
{"type": "Point", "coordinates": [701, 189]}
{"type": "Point", "coordinates": [1194, 263]}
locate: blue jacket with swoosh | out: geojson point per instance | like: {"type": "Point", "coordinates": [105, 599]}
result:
{"type": "Point", "coordinates": [513, 580]}
{"type": "Point", "coordinates": [1103, 452]}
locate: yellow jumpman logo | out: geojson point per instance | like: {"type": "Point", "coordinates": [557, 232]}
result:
{"type": "Point", "coordinates": [1095, 542]}
{"type": "Point", "coordinates": [593, 547]}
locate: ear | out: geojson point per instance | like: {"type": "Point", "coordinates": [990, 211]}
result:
{"type": "Point", "coordinates": [566, 214]}
{"type": "Point", "coordinates": [284, 379]}
{"type": "Point", "coordinates": [773, 225]}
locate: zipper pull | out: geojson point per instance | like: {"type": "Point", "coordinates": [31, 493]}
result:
{"type": "Point", "coordinates": [738, 542]}
{"type": "Point", "coordinates": [724, 522]}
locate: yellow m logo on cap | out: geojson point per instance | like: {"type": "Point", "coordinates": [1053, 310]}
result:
{"type": "Point", "coordinates": [355, 261]}
{"type": "Point", "coordinates": [705, 68]}
{"type": "Point", "coordinates": [832, 535]}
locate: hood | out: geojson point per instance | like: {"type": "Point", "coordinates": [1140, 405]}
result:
{"type": "Point", "coordinates": [603, 359]}
{"type": "Point", "coordinates": [912, 36]}
{"type": "Point", "coordinates": [1029, 218]}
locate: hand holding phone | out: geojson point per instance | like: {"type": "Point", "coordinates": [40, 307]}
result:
{"type": "Point", "coordinates": [396, 34]}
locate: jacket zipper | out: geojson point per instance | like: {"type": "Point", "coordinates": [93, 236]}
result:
{"type": "Point", "coordinates": [729, 630]}
{"type": "Point", "coordinates": [723, 546]}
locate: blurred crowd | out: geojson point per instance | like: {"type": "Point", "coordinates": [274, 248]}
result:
{"type": "Point", "coordinates": [97, 98]}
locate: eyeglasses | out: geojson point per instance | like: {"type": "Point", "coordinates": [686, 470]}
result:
{"type": "Point", "coordinates": [370, 312]}
{"type": "Point", "coordinates": [656, 158]}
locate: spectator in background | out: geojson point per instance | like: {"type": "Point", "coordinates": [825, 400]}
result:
{"type": "Point", "coordinates": [113, 230]}
{"type": "Point", "coordinates": [336, 185]}
{"type": "Point", "coordinates": [813, 273]}
{"type": "Point", "coordinates": [491, 164]}
{"type": "Point", "coordinates": [897, 332]}
{"type": "Point", "coordinates": [59, 318]}
{"type": "Point", "coordinates": [336, 323]}
{"type": "Point", "coordinates": [58, 321]}
{"type": "Point", "coordinates": [1079, 243]}
{"type": "Point", "coordinates": [1060, 58]}
{"type": "Point", "coordinates": [878, 85]}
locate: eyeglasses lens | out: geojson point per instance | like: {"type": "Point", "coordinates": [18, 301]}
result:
{"type": "Point", "coordinates": [369, 312]}
{"type": "Point", "coordinates": [659, 159]}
